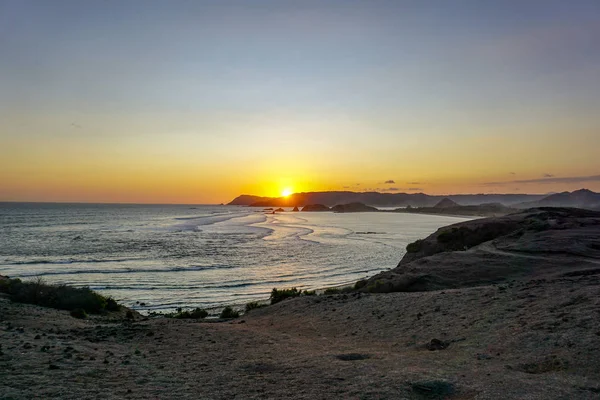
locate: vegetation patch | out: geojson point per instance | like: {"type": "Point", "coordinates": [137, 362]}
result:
{"type": "Point", "coordinates": [415, 247]}
{"type": "Point", "coordinates": [360, 284]}
{"type": "Point", "coordinates": [197, 313]}
{"type": "Point", "coordinates": [229, 313]}
{"type": "Point", "coordinates": [62, 297]}
{"type": "Point", "coordinates": [278, 295]}
{"type": "Point", "coordinates": [342, 290]}
{"type": "Point", "coordinates": [253, 305]}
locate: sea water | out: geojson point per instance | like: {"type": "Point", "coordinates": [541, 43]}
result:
{"type": "Point", "coordinates": [160, 257]}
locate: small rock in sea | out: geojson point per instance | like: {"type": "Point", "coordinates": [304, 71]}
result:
{"type": "Point", "coordinates": [53, 366]}
{"type": "Point", "coordinates": [436, 344]}
{"type": "Point", "coordinates": [37, 337]}
{"type": "Point", "coordinates": [27, 345]}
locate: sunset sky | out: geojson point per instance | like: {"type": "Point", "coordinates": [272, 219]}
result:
{"type": "Point", "coordinates": [199, 101]}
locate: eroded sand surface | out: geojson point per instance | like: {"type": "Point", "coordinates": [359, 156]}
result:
{"type": "Point", "coordinates": [529, 340]}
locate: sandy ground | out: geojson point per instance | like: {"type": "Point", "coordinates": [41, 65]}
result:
{"type": "Point", "coordinates": [531, 339]}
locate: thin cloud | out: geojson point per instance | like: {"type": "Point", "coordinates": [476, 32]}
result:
{"type": "Point", "coordinates": [512, 173]}
{"type": "Point", "coordinates": [548, 176]}
{"type": "Point", "coordinates": [346, 187]}
{"type": "Point", "coordinates": [550, 179]}
{"type": "Point", "coordinates": [390, 182]}
{"type": "Point", "coordinates": [413, 183]}
{"type": "Point", "coordinates": [415, 189]}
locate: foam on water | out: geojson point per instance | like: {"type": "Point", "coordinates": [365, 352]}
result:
{"type": "Point", "coordinates": [200, 256]}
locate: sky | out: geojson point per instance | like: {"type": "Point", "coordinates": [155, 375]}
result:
{"type": "Point", "coordinates": [200, 101]}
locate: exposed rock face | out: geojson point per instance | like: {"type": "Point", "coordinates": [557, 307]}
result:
{"type": "Point", "coordinates": [533, 243]}
{"type": "Point", "coordinates": [445, 203]}
{"type": "Point", "coordinates": [280, 210]}
{"type": "Point", "coordinates": [295, 209]}
{"type": "Point", "coordinates": [315, 207]}
{"type": "Point", "coordinates": [352, 207]}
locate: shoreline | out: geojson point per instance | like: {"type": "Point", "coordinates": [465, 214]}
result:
{"type": "Point", "coordinates": [529, 332]}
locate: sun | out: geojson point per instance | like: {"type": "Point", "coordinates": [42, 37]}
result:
{"type": "Point", "coordinates": [286, 192]}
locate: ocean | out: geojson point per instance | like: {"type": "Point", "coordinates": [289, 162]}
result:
{"type": "Point", "coordinates": [160, 257]}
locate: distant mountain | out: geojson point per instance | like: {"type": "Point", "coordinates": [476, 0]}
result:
{"type": "Point", "coordinates": [446, 203]}
{"type": "Point", "coordinates": [377, 199]}
{"type": "Point", "coordinates": [582, 198]}
{"type": "Point", "coordinates": [487, 209]}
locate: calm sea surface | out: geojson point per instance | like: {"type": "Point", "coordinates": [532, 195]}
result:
{"type": "Point", "coordinates": [168, 256]}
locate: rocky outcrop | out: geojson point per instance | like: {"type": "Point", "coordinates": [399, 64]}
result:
{"type": "Point", "coordinates": [352, 207]}
{"type": "Point", "coordinates": [534, 243]}
{"type": "Point", "coordinates": [295, 209]}
{"type": "Point", "coordinates": [279, 210]}
{"type": "Point", "coordinates": [315, 207]}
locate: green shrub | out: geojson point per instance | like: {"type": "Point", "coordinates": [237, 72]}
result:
{"type": "Point", "coordinates": [360, 284]}
{"type": "Point", "coordinates": [78, 313]}
{"type": "Point", "coordinates": [112, 305]}
{"type": "Point", "coordinates": [309, 293]}
{"type": "Point", "coordinates": [377, 287]}
{"type": "Point", "coordinates": [332, 291]}
{"type": "Point", "coordinates": [197, 313]}
{"type": "Point", "coordinates": [62, 297]}
{"type": "Point", "coordinates": [278, 295]}
{"type": "Point", "coordinates": [229, 312]}
{"type": "Point", "coordinates": [415, 247]}
{"type": "Point", "coordinates": [253, 305]}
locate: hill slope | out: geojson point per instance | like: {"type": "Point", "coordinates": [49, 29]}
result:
{"type": "Point", "coordinates": [533, 243]}
{"type": "Point", "coordinates": [582, 198]}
